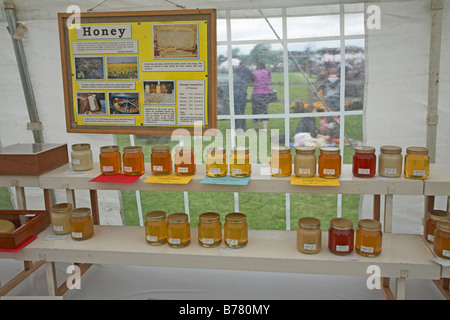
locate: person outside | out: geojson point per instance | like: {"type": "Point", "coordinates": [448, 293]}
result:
{"type": "Point", "coordinates": [307, 133]}
{"type": "Point", "coordinates": [261, 94]}
{"type": "Point", "coordinates": [242, 78]}
{"type": "Point", "coordinates": [330, 89]}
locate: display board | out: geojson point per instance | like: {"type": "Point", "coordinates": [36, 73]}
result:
{"type": "Point", "coordinates": [147, 72]}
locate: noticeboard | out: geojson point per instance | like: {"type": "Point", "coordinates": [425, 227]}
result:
{"type": "Point", "coordinates": [148, 72]}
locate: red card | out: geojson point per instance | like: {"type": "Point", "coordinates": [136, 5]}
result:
{"type": "Point", "coordinates": [115, 178]}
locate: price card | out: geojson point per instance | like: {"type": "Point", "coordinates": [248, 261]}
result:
{"type": "Point", "coordinates": [227, 180]}
{"type": "Point", "coordinates": [115, 178]}
{"type": "Point", "coordinates": [314, 181]}
{"type": "Point", "coordinates": [169, 179]}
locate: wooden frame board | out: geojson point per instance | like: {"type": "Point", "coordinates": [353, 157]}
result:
{"type": "Point", "coordinates": [146, 73]}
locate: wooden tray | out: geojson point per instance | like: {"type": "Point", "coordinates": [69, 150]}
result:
{"type": "Point", "coordinates": [28, 224]}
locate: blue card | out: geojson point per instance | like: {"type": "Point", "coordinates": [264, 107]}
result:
{"type": "Point", "coordinates": [227, 180]}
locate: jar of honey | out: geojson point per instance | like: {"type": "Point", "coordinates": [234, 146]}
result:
{"type": "Point", "coordinates": [364, 162]}
{"type": "Point", "coordinates": [110, 160]}
{"type": "Point", "coordinates": [432, 219]}
{"type": "Point", "coordinates": [82, 224]}
{"type": "Point", "coordinates": [240, 165]}
{"type": "Point", "coordinates": [133, 161]}
{"type": "Point", "coordinates": [329, 162]}
{"type": "Point", "coordinates": [235, 230]}
{"type": "Point", "coordinates": [60, 218]}
{"type": "Point", "coordinates": [341, 236]}
{"type": "Point", "coordinates": [390, 162]}
{"type": "Point", "coordinates": [184, 161]}
{"type": "Point", "coordinates": [156, 228]}
{"type": "Point", "coordinates": [161, 160]}
{"type": "Point", "coordinates": [216, 162]}
{"type": "Point", "coordinates": [305, 162]}
{"type": "Point", "coordinates": [281, 162]}
{"type": "Point", "coordinates": [82, 157]}
{"type": "Point", "coordinates": [417, 163]}
{"type": "Point", "coordinates": [209, 229]}
{"type": "Point", "coordinates": [441, 244]}
{"type": "Point", "coordinates": [309, 235]}
{"type": "Point", "coordinates": [178, 230]}
{"type": "Point", "coordinates": [368, 238]}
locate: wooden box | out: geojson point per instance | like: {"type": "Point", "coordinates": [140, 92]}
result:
{"type": "Point", "coordinates": [32, 158]}
{"type": "Point", "coordinates": [28, 224]}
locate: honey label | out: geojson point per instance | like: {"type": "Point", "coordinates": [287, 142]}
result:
{"type": "Point", "coordinates": [232, 242]}
{"type": "Point", "coordinates": [127, 169]}
{"type": "Point", "coordinates": [236, 171]}
{"type": "Point", "coordinates": [174, 240]}
{"type": "Point", "coordinates": [366, 249]}
{"type": "Point", "coordinates": [58, 228]}
{"type": "Point", "coordinates": [157, 168]}
{"type": "Point", "coordinates": [310, 247]}
{"type": "Point", "coordinates": [390, 171]}
{"type": "Point", "coordinates": [208, 240]}
{"type": "Point", "coordinates": [183, 170]}
{"type": "Point", "coordinates": [329, 171]}
{"type": "Point", "coordinates": [418, 173]}
{"type": "Point", "coordinates": [363, 171]}
{"type": "Point", "coordinates": [304, 171]}
{"type": "Point", "coordinates": [108, 168]}
{"type": "Point", "coordinates": [214, 170]}
{"type": "Point", "coordinates": [152, 238]}
{"type": "Point", "coordinates": [342, 248]}
{"type": "Point", "coordinates": [446, 253]}
{"type": "Point", "coordinates": [77, 235]}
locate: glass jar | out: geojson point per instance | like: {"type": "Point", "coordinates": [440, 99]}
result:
{"type": "Point", "coordinates": [184, 161]}
{"type": "Point", "coordinates": [441, 244]}
{"type": "Point", "coordinates": [309, 235]}
{"type": "Point", "coordinates": [341, 236]}
{"type": "Point", "coordinates": [432, 219]}
{"type": "Point", "coordinates": [60, 218]}
{"type": "Point", "coordinates": [281, 161]}
{"type": "Point", "coordinates": [209, 229]}
{"type": "Point", "coordinates": [161, 160]}
{"type": "Point", "coordinates": [156, 228]}
{"type": "Point", "coordinates": [417, 163]}
{"type": "Point", "coordinates": [82, 224]}
{"type": "Point", "coordinates": [240, 165]}
{"type": "Point", "coordinates": [178, 230]}
{"type": "Point", "coordinates": [110, 160]}
{"type": "Point", "coordinates": [305, 162]}
{"type": "Point", "coordinates": [216, 162]}
{"type": "Point", "coordinates": [390, 161]}
{"type": "Point", "coordinates": [329, 162]}
{"type": "Point", "coordinates": [235, 230]}
{"type": "Point", "coordinates": [364, 162]}
{"type": "Point", "coordinates": [133, 161]}
{"type": "Point", "coordinates": [368, 238]}
{"type": "Point", "coordinates": [82, 157]}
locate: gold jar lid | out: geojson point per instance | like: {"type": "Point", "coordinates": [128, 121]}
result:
{"type": "Point", "coordinates": [177, 218]}
{"type": "Point", "coordinates": [365, 149]}
{"type": "Point", "coordinates": [439, 215]}
{"type": "Point", "coordinates": [214, 150]}
{"type": "Point", "coordinates": [132, 149]}
{"type": "Point", "coordinates": [235, 217]}
{"type": "Point", "coordinates": [109, 149]}
{"type": "Point", "coordinates": [160, 149]}
{"type": "Point", "coordinates": [330, 150]}
{"type": "Point", "coordinates": [369, 225]}
{"type": "Point", "coordinates": [390, 149]}
{"type": "Point", "coordinates": [240, 150]}
{"type": "Point", "coordinates": [81, 146]}
{"type": "Point", "coordinates": [341, 224]}
{"type": "Point", "coordinates": [305, 150]}
{"type": "Point", "coordinates": [209, 217]}
{"type": "Point", "coordinates": [281, 149]}
{"type": "Point", "coordinates": [62, 207]}
{"type": "Point", "coordinates": [80, 212]}
{"type": "Point", "coordinates": [154, 216]}
{"type": "Point", "coordinates": [443, 226]}
{"type": "Point", "coordinates": [309, 223]}
{"type": "Point", "coordinates": [6, 226]}
{"type": "Point", "coordinates": [417, 150]}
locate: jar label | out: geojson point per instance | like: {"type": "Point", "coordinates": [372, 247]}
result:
{"type": "Point", "coordinates": [430, 237]}
{"type": "Point", "coordinates": [127, 169]}
{"type": "Point", "coordinates": [308, 246]}
{"type": "Point", "coordinates": [366, 249]}
{"type": "Point", "coordinates": [174, 240]}
{"type": "Point", "coordinates": [277, 171]}
{"type": "Point", "coordinates": [152, 238]}
{"type": "Point", "coordinates": [236, 171]}
{"type": "Point", "coordinates": [342, 248]}
{"type": "Point", "coordinates": [232, 242]}
{"type": "Point", "coordinates": [418, 173]}
{"type": "Point", "coordinates": [58, 228]}
{"type": "Point", "coordinates": [157, 168]}
{"type": "Point", "coordinates": [304, 171]}
{"type": "Point", "coordinates": [208, 240]}
{"type": "Point", "coordinates": [390, 170]}
{"type": "Point", "coordinates": [363, 171]}
{"type": "Point", "coordinates": [214, 170]}
{"type": "Point", "coordinates": [76, 161]}
{"type": "Point", "coordinates": [77, 235]}
{"type": "Point", "coordinates": [108, 168]}
{"type": "Point", "coordinates": [329, 171]}
{"type": "Point", "coordinates": [446, 253]}
{"type": "Point", "coordinates": [183, 169]}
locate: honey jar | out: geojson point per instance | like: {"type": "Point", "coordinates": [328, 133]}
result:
{"type": "Point", "coordinates": [417, 163]}
{"type": "Point", "coordinates": [60, 218]}
{"type": "Point", "coordinates": [209, 229]}
{"type": "Point", "coordinates": [329, 162]}
{"type": "Point", "coordinates": [110, 160]}
{"type": "Point", "coordinates": [156, 228]}
{"type": "Point", "coordinates": [281, 161]}
{"type": "Point", "coordinates": [240, 165]}
{"type": "Point", "coordinates": [184, 161]}
{"type": "Point", "coordinates": [364, 162]}
{"type": "Point", "coordinates": [390, 162]}
{"type": "Point", "coordinates": [341, 236]}
{"type": "Point", "coordinates": [441, 244]}
{"type": "Point", "coordinates": [235, 230]}
{"type": "Point", "coordinates": [368, 238]}
{"type": "Point", "coordinates": [161, 160]}
{"type": "Point", "coordinates": [178, 230]}
{"type": "Point", "coordinates": [309, 235]}
{"type": "Point", "coordinates": [432, 219]}
{"type": "Point", "coordinates": [305, 162]}
{"type": "Point", "coordinates": [82, 157]}
{"type": "Point", "coordinates": [216, 162]}
{"type": "Point", "coordinates": [133, 161]}
{"type": "Point", "coordinates": [82, 224]}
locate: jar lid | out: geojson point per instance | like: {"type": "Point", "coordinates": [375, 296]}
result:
{"type": "Point", "coordinates": [178, 218]}
{"type": "Point", "coordinates": [369, 225]}
{"type": "Point", "coordinates": [155, 216]}
{"type": "Point", "coordinates": [240, 150]}
{"type": "Point", "coordinates": [80, 212]}
{"type": "Point", "coordinates": [214, 150]}
{"type": "Point", "coordinates": [305, 150]}
{"type": "Point", "coordinates": [62, 207]}
{"type": "Point", "coordinates": [364, 149]}
{"type": "Point", "coordinates": [417, 150]}
{"type": "Point", "coordinates": [341, 223]}
{"type": "Point", "coordinates": [309, 223]}
{"type": "Point", "coordinates": [439, 215]}
{"type": "Point", "coordinates": [132, 149]}
{"type": "Point", "coordinates": [235, 217]}
{"type": "Point", "coordinates": [6, 226]}
{"type": "Point", "coordinates": [390, 149]}
{"type": "Point", "coordinates": [330, 150]}
{"type": "Point", "coordinates": [109, 149]}
{"type": "Point", "coordinates": [281, 149]}
{"type": "Point", "coordinates": [81, 146]}
{"type": "Point", "coordinates": [444, 226]}
{"type": "Point", "coordinates": [209, 217]}
{"type": "Point", "coordinates": [158, 149]}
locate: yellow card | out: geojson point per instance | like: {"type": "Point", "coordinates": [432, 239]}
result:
{"type": "Point", "coordinates": [169, 179]}
{"type": "Point", "coordinates": [314, 181]}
